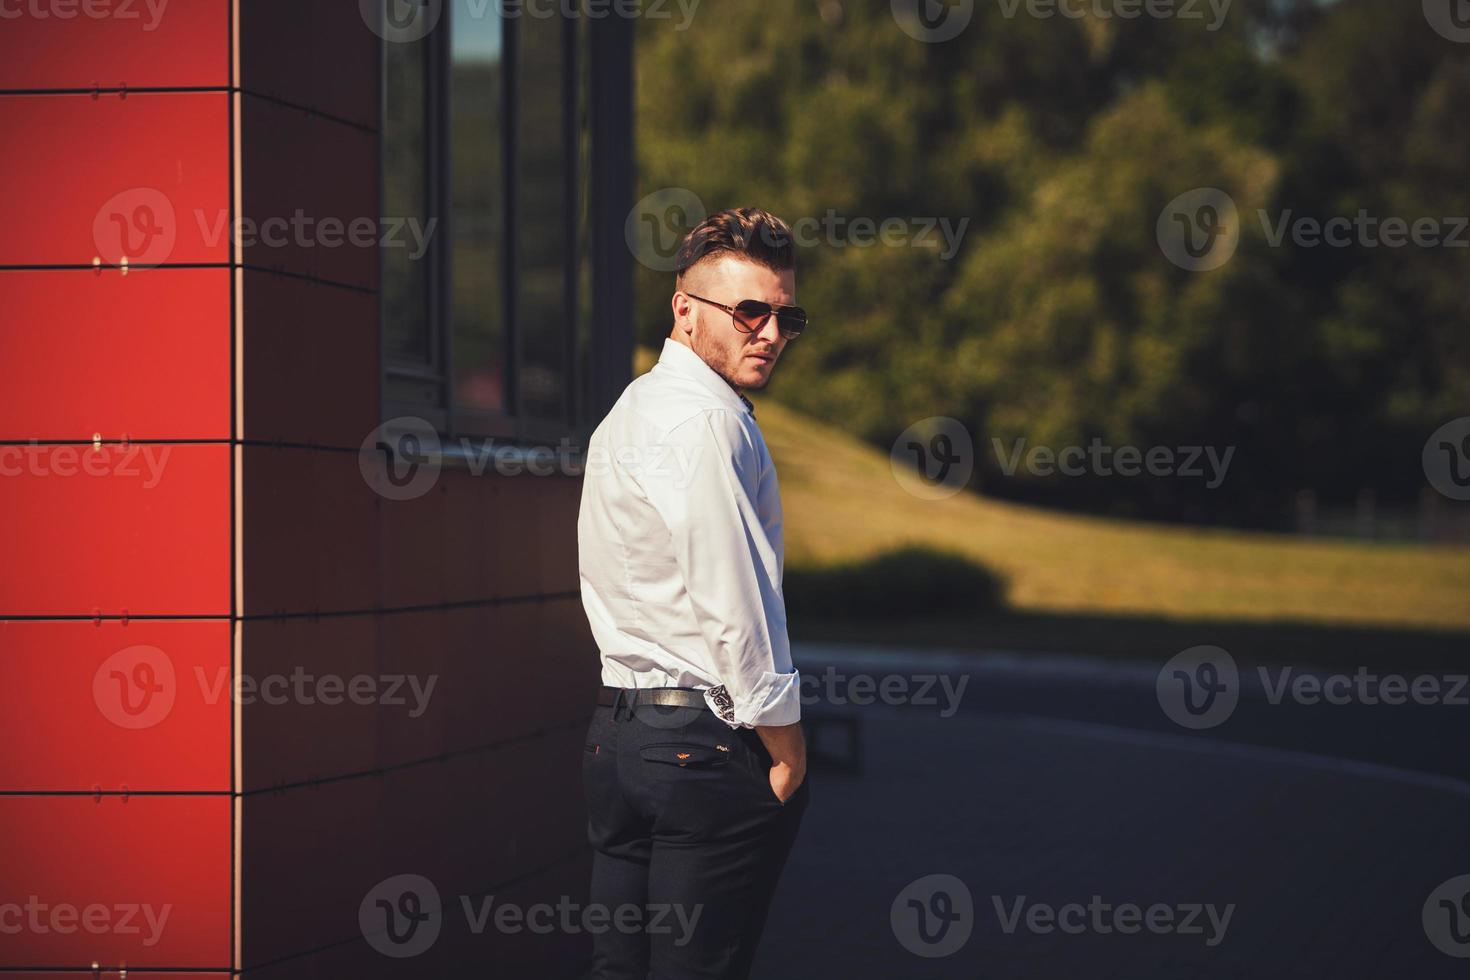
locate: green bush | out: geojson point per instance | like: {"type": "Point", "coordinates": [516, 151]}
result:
{"type": "Point", "coordinates": [909, 582]}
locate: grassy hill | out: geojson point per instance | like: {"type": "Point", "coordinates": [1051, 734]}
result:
{"type": "Point", "coordinates": [1085, 584]}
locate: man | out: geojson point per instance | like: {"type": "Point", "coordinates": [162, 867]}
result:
{"type": "Point", "coordinates": [695, 769]}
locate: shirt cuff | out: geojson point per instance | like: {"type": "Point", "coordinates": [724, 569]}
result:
{"type": "Point", "coordinates": [775, 699]}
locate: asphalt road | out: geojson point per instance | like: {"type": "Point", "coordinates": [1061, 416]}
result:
{"type": "Point", "coordinates": [1082, 833]}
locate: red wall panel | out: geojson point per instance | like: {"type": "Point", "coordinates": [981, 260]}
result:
{"type": "Point", "coordinates": [146, 705]}
{"type": "Point", "coordinates": [146, 529]}
{"type": "Point", "coordinates": [132, 975]}
{"type": "Point", "coordinates": [145, 355]}
{"type": "Point", "coordinates": [145, 177]}
{"type": "Point", "coordinates": [54, 45]}
{"type": "Point", "coordinates": [165, 855]}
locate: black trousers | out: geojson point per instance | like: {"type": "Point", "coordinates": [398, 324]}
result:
{"type": "Point", "coordinates": [689, 842]}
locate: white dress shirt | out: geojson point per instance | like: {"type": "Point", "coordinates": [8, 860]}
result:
{"type": "Point", "coordinates": [680, 546]}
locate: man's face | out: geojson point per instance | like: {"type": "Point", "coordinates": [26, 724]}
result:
{"type": "Point", "coordinates": [745, 360]}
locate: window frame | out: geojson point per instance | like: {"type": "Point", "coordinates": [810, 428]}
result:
{"type": "Point", "coordinates": [426, 388]}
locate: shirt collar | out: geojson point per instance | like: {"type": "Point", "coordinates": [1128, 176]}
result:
{"type": "Point", "coordinates": [683, 361]}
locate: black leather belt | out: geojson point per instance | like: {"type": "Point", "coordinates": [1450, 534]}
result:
{"type": "Point", "coordinates": [683, 697]}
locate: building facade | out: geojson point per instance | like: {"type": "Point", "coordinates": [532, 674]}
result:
{"type": "Point", "coordinates": [304, 310]}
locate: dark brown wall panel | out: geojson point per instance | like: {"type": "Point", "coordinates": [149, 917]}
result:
{"type": "Point", "coordinates": [458, 950]}
{"type": "Point", "coordinates": [320, 55]}
{"type": "Point", "coordinates": [308, 716]}
{"type": "Point", "coordinates": [308, 526]}
{"type": "Point", "coordinates": [310, 352]}
{"type": "Point", "coordinates": [309, 187]}
{"type": "Point", "coordinates": [327, 836]}
{"type": "Point", "coordinates": [146, 355]}
{"type": "Point", "coordinates": [467, 823]}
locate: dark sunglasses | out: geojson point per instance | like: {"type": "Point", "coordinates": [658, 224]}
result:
{"type": "Point", "coordinates": [750, 315]}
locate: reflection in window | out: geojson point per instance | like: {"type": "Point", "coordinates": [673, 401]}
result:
{"type": "Point", "coordinates": [544, 214]}
{"type": "Point", "coordinates": [405, 186]}
{"type": "Point", "coordinates": [477, 186]}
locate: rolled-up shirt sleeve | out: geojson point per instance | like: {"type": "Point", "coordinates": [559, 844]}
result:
{"type": "Point", "coordinates": [729, 554]}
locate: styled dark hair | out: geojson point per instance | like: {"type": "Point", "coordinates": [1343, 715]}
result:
{"type": "Point", "coordinates": [752, 234]}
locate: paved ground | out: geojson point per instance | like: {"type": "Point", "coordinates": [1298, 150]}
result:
{"type": "Point", "coordinates": [1322, 832]}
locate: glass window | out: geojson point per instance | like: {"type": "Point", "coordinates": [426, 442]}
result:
{"type": "Point", "coordinates": [477, 189]}
{"type": "Point", "coordinates": [405, 196]}
{"type": "Point", "coordinates": [544, 214]}
{"type": "Point", "coordinates": [487, 141]}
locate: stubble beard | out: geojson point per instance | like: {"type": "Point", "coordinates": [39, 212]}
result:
{"type": "Point", "coordinates": [719, 359]}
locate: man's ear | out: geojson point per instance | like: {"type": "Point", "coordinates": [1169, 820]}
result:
{"type": "Point", "coordinates": [683, 308]}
